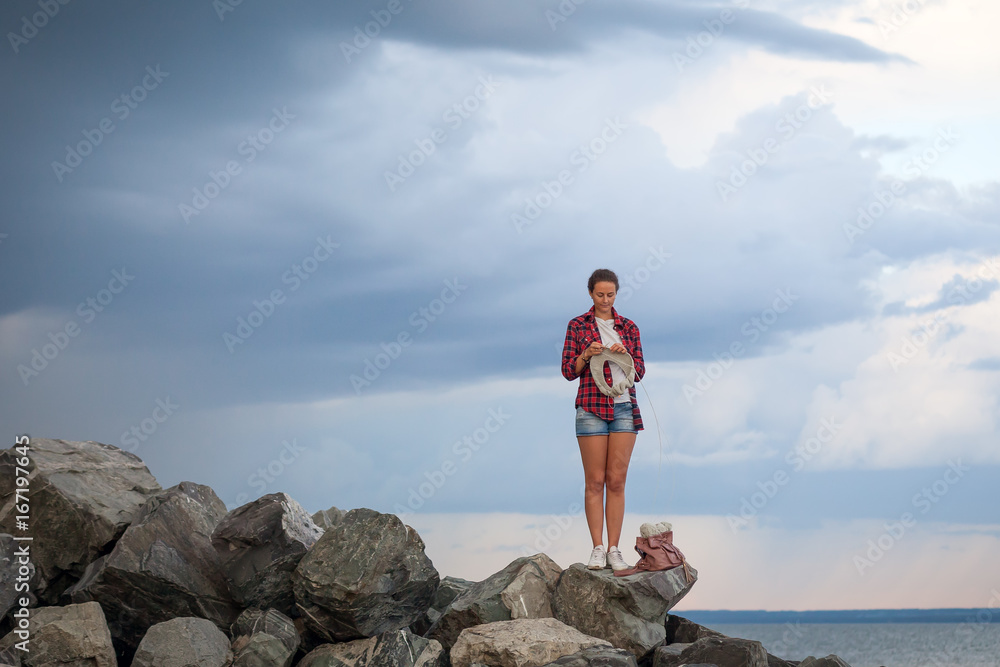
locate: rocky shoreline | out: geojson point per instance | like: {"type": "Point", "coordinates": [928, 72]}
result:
{"type": "Point", "coordinates": [124, 572]}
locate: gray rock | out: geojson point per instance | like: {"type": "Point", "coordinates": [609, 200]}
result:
{"type": "Point", "coordinates": [10, 567]}
{"type": "Point", "coordinates": [261, 650]}
{"type": "Point", "coordinates": [829, 661]}
{"type": "Point", "coordinates": [163, 567]}
{"type": "Point", "coordinates": [82, 495]}
{"type": "Point", "coordinates": [365, 576]}
{"type": "Point", "coordinates": [264, 639]}
{"type": "Point", "coordinates": [449, 589]}
{"type": "Point", "coordinates": [721, 651]}
{"type": "Point", "coordinates": [260, 544]}
{"type": "Point", "coordinates": [327, 519]}
{"type": "Point", "coordinates": [523, 642]}
{"type": "Point", "coordinates": [399, 648]}
{"type": "Point", "coordinates": [10, 657]}
{"type": "Point", "coordinates": [523, 589]}
{"type": "Point", "coordinates": [634, 607]}
{"type": "Point", "coordinates": [72, 635]}
{"type": "Point", "coordinates": [681, 630]}
{"type": "Point", "coordinates": [775, 661]}
{"type": "Point", "coordinates": [597, 656]}
{"type": "Point", "coordinates": [666, 650]}
{"type": "Point", "coordinates": [270, 621]}
{"type": "Point", "coordinates": [183, 642]}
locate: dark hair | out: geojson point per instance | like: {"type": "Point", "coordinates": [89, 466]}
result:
{"type": "Point", "coordinates": [602, 276]}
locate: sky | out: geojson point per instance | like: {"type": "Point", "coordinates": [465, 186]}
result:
{"type": "Point", "coordinates": [331, 249]}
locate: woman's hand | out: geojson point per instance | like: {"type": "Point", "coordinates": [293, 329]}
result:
{"type": "Point", "coordinates": [595, 348]}
{"type": "Point", "coordinates": [618, 347]}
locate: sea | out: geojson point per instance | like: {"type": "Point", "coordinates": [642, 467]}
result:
{"type": "Point", "coordinates": [877, 644]}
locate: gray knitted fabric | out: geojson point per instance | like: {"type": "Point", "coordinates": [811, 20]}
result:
{"type": "Point", "coordinates": [624, 360]}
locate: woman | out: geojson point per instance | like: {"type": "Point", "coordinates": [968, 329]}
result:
{"type": "Point", "coordinates": [605, 426]}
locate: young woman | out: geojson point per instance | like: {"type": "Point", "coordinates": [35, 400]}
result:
{"type": "Point", "coordinates": [605, 426]}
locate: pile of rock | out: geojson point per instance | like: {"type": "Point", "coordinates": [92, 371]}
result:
{"type": "Point", "coordinates": [126, 572]}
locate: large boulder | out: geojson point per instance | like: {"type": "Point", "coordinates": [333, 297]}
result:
{"type": "Point", "coordinates": [634, 607]}
{"type": "Point", "coordinates": [523, 642]}
{"type": "Point", "coordinates": [721, 651]}
{"type": "Point", "coordinates": [163, 567]}
{"type": "Point", "coordinates": [523, 589]}
{"type": "Point", "coordinates": [183, 642]}
{"type": "Point", "coordinates": [83, 495]}
{"type": "Point", "coordinates": [72, 635]}
{"type": "Point", "coordinates": [447, 591]}
{"type": "Point", "coordinates": [365, 576]}
{"type": "Point", "coordinates": [400, 648]}
{"type": "Point", "coordinates": [260, 544]}
{"type": "Point", "coordinates": [682, 632]}
{"type": "Point", "coordinates": [264, 639]}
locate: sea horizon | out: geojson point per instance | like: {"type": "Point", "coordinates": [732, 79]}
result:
{"type": "Point", "coordinates": [980, 615]}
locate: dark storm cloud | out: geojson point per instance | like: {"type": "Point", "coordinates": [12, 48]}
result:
{"type": "Point", "coordinates": [220, 79]}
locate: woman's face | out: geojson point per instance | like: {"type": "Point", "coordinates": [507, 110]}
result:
{"type": "Point", "coordinates": [603, 296]}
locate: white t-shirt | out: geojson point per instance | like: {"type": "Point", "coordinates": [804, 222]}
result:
{"type": "Point", "coordinates": [608, 338]}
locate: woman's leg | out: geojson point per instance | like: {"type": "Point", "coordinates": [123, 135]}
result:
{"type": "Point", "coordinates": [619, 453]}
{"type": "Point", "coordinates": [594, 450]}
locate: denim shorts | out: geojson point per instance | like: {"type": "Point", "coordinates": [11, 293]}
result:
{"type": "Point", "coordinates": [587, 423]}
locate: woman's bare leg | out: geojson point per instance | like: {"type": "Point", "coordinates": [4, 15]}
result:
{"type": "Point", "coordinates": [594, 451]}
{"type": "Point", "coordinates": [619, 453]}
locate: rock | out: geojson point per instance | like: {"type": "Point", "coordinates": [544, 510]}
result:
{"type": "Point", "coordinates": [83, 495]}
{"type": "Point", "coordinates": [260, 544]}
{"type": "Point", "coordinates": [261, 650]}
{"type": "Point", "coordinates": [635, 606]}
{"type": "Point", "coordinates": [449, 589]}
{"type": "Point", "coordinates": [10, 657]}
{"type": "Point", "coordinates": [597, 656]}
{"type": "Point", "coordinates": [270, 621]}
{"type": "Point", "coordinates": [666, 652]}
{"type": "Point", "coordinates": [721, 651]}
{"type": "Point", "coordinates": [10, 566]}
{"type": "Point", "coordinates": [365, 576]}
{"type": "Point", "coordinates": [523, 589]}
{"type": "Point", "coordinates": [775, 661]}
{"type": "Point", "coordinates": [264, 639]}
{"type": "Point", "coordinates": [72, 635]}
{"type": "Point", "coordinates": [183, 642]}
{"type": "Point", "coordinates": [400, 648]}
{"type": "Point", "coordinates": [682, 631]}
{"type": "Point", "coordinates": [163, 567]}
{"type": "Point", "coordinates": [522, 642]}
{"type": "Point", "coordinates": [327, 519]}
{"type": "Point", "coordinates": [828, 661]}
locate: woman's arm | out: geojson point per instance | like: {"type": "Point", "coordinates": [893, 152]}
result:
{"type": "Point", "coordinates": [636, 352]}
{"type": "Point", "coordinates": [574, 357]}
{"type": "Point", "coordinates": [572, 365]}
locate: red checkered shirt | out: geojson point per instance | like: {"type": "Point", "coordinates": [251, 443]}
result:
{"type": "Point", "coordinates": [580, 333]}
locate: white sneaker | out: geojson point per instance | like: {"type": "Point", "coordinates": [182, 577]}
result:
{"type": "Point", "coordinates": [616, 560]}
{"type": "Point", "coordinates": [598, 559]}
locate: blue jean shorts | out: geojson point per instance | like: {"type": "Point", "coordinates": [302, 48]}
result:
{"type": "Point", "coordinates": [587, 423]}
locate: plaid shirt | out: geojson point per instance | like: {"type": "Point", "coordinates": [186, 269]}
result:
{"type": "Point", "coordinates": [580, 333]}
